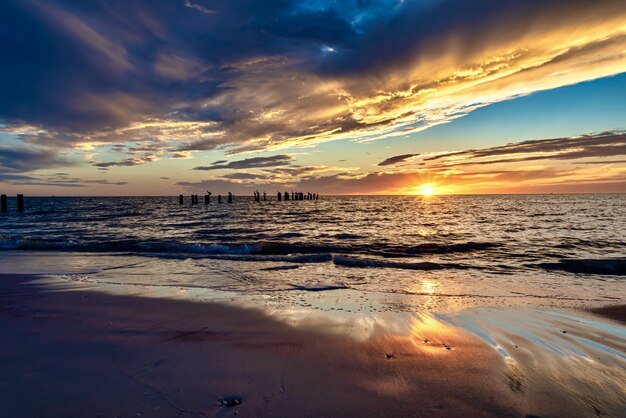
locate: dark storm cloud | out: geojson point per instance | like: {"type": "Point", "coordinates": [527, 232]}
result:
{"type": "Point", "coordinates": [397, 159]}
{"type": "Point", "coordinates": [256, 162]}
{"type": "Point", "coordinates": [605, 144]}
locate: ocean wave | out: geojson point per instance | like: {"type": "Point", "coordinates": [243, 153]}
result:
{"type": "Point", "coordinates": [300, 258]}
{"type": "Point", "coordinates": [346, 261]}
{"type": "Point", "coordinates": [433, 248]}
{"type": "Point", "coordinates": [611, 266]}
{"type": "Point", "coordinates": [130, 246]}
{"type": "Point", "coordinates": [349, 246]}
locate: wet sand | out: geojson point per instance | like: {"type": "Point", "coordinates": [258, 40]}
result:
{"type": "Point", "coordinates": [616, 312]}
{"type": "Point", "coordinates": [77, 353]}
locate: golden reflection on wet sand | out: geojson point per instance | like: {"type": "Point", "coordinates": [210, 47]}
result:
{"type": "Point", "coordinates": [470, 362]}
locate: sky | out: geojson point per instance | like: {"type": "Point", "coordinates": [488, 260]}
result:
{"type": "Point", "coordinates": [333, 97]}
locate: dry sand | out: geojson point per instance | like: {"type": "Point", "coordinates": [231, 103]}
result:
{"type": "Point", "coordinates": [68, 353]}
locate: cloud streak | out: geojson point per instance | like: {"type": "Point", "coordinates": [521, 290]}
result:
{"type": "Point", "coordinates": [606, 144]}
{"type": "Point", "coordinates": [256, 162]}
{"type": "Point", "coordinates": [397, 159]}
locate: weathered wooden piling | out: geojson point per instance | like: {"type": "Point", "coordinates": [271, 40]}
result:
{"type": "Point", "coordinates": [4, 203]}
{"type": "Point", "coordinates": [20, 203]}
{"type": "Point", "coordinates": [279, 196]}
{"type": "Point", "coordinates": [219, 198]}
{"type": "Point", "coordinates": [207, 199]}
{"type": "Point", "coordinates": [264, 197]}
{"type": "Point", "coordinates": [181, 199]}
{"type": "Point", "coordinates": [230, 198]}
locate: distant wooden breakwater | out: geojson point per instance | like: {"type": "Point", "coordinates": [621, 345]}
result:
{"type": "Point", "coordinates": [258, 197]}
{"type": "Point", "coordinates": [4, 203]}
{"type": "Point", "coordinates": [195, 199]}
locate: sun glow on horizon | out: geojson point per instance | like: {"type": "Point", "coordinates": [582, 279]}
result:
{"type": "Point", "coordinates": [427, 190]}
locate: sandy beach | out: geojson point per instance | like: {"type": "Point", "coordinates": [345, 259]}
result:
{"type": "Point", "coordinates": [71, 352]}
{"type": "Point", "coordinates": [313, 208]}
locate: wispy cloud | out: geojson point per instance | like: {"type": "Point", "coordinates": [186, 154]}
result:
{"type": "Point", "coordinates": [606, 144]}
{"type": "Point", "coordinates": [198, 7]}
{"type": "Point", "coordinates": [17, 158]}
{"type": "Point", "coordinates": [397, 159]}
{"type": "Point", "coordinates": [56, 180]}
{"type": "Point", "coordinates": [256, 162]}
{"type": "Point", "coordinates": [128, 162]}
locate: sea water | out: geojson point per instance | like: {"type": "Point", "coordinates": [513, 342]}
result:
{"type": "Point", "coordinates": [563, 250]}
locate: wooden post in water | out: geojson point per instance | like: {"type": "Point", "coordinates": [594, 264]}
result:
{"type": "Point", "coordinates": [279, 196]}
{"type": "Point", "coordinates": [181, 199]}
{"type": "Point", "coordinates": [20, 203]}
{"type": "Point", "coordinates": [230, 198]}
{"type": "Point", "coordinates": [4, 204]}
{"type": "Point", "coordinates": [219, 198]}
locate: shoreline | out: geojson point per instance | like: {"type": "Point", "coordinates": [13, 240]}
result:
{"type": "Point", "coordinates": [70, 351]}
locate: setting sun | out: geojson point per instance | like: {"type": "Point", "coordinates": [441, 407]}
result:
{"type": "Point", "coordinates": [427, 190]}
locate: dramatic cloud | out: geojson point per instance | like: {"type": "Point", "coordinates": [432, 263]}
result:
{"type": "Point", "coordinates": [247, 75]}
{"type": "Point", "coordinates": [397, 159]}
{"type": "Point", "coordinates": [606, 144]}
{"type": "Point", "coordinates": [273, 161]}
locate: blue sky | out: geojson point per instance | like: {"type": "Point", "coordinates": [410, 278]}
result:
{"type": "Point", "coordinates": [111, 97]}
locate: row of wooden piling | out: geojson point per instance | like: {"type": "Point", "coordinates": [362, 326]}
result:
{"type": "Point", "coordinates": [195, 199]}
{"type": "Point", "coordinates": [297, 196]}
{"type": "Point", "coordinates": [286, 196]}
{"type": "Point", "coordinates": [4, 203]}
